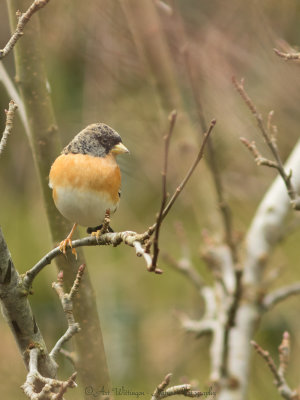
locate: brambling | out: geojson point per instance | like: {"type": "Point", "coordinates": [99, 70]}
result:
{"type": "Point", "coordinates": [86, 178]}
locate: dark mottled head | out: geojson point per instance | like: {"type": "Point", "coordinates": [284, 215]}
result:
{"type": "Point", "coordinates": [96, 140]}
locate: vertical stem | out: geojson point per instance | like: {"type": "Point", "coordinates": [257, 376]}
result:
{"type": "Point", "coordinates": [45, 144]}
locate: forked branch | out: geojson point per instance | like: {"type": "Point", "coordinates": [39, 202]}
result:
{"type": "Point", "coordinates": [268, 134]}
{"type": "Point", "coordinates": [278, 373]}
{"type": "Point", "coordinates": [159, 218]}
{"type": "Point", "coordinates": [37, 386]}
{"type": "Point", "coordinates": [23, 19]}
{"type": "Point", "coordinates": [162, 391]}
{"type": "Point", "coordinates": [52, 389]}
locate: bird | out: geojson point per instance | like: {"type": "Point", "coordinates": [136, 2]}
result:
{"type": "Point", "coordinates": [86, 180]}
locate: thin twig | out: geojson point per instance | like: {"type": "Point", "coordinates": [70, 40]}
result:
{"type": "Point", "coordinates": [283, 388]}
{"type": "Point", "coordinates": [191, 170]}
{"type": "Point", "coordinates": [77, 282]}
{"type": "Point", "coordinates": [8, 124]}
{"type": "Point", "coordinates": [167, 138]}
{"type": "Point", "coordinates": [23, 19]}
{"type": "Point", "coordinates": [66, 301]}
{"type": "Point", "coordinates": [13, 94]}
{"type": "Point", "coordinates": [284, 353]}
{"type": "Point", "coordinates": [270, 362]}
{"type": "Point", "coordinates": [258, 158]}
{"type": "Point", "coordinates": [162, 391]}
{"type": "Point", "coordinates": [288, 56]}
{"type": "Point", "coordinates": [51, 388]}
{"type": "Point", "coordinates": [271, 142]}
{"type": "Point", "coordinates": [278, 295]}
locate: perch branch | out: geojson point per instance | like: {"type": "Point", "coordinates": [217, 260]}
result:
{"type": "Point", "coordinates": [127, 237]}
{"type": "Point", "coordinates": [159, 219]}
{"type": "Point", "coordinates": [52, 389]}
{"type": "Point", "coordinates": [271, 143]}
{"type": "Point", "coordinates": [162, 391]}
{"type": "Point", "coordinates": [23, 19]}
{"type": "Point", "coordinates": [8, 124]}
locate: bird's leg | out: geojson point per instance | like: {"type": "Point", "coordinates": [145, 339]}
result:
{"type": "Point", "coordinates": [105, 225]}
{"type": "Point", "coordinates": [68, 242]}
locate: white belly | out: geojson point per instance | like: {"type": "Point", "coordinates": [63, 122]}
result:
{"type": "Point", "coordinates": [83, 207]}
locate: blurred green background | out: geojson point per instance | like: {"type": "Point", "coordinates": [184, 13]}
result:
{"type": "Point", "coordinates": [97, 74]}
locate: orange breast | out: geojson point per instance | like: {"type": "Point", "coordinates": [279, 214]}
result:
{"type": "Point", "coordinates": [87, 172]}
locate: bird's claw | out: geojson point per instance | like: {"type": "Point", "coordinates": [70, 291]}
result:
{"type": "Point", "coordinates": [64, 244]}
{"type": "Point", "coordinates": [104, 228]}
{"type": "Point", "coordinates": [98, 233]}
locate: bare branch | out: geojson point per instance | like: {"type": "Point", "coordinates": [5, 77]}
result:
{"type": "Point", "coordinates": [205, 326]}
{"type": "Point", "coordinates": [271, 142]}
{"type": "Point", "coordinates": [167, 138]}
{"type": "Point", "coordinates": [258, 158]}
{"type": "Point", "coordinates": [23, 19]}
{"type": "Point", "coordinates": [13, 94]}
{"type": "Point", "coordinates": [77, 281]}
{"type": "Point", "coordinates": [284, 353]}
{"type": "Point", "coordinates": [66, 301]}
{"type": "Point", "coordinates": [278, 295]}
{"type": "Point", "coordinates": [162, 391]}
{"type": "Point", "coordinates": [288, 56]}
{"type": "Point", "coordinates": [52, 389]}
{"type": "Point", "coordinates": [283, 388]}
{"type": "Point", "coordinates": [164, 210]}
{"type": "Point", "coordinates": [8, 124]}
{"type": "Point", "coordinates": [191, 170]}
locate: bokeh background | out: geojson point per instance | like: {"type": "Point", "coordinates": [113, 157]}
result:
{"type": "Point", "coordinates": [98, 73]}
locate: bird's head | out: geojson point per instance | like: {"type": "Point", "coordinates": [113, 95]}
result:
{"type": "Point", "coordinates": [97, 140]}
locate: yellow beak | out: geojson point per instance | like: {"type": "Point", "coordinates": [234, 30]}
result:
{"type": "Point", "coordinates": [119, 149]}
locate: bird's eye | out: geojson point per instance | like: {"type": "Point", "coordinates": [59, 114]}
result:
{"type": "Point", "coordinates": [104, 140]}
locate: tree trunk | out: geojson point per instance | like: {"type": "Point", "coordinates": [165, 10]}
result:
{"type": "Point", "coordinates": [45, 144]}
